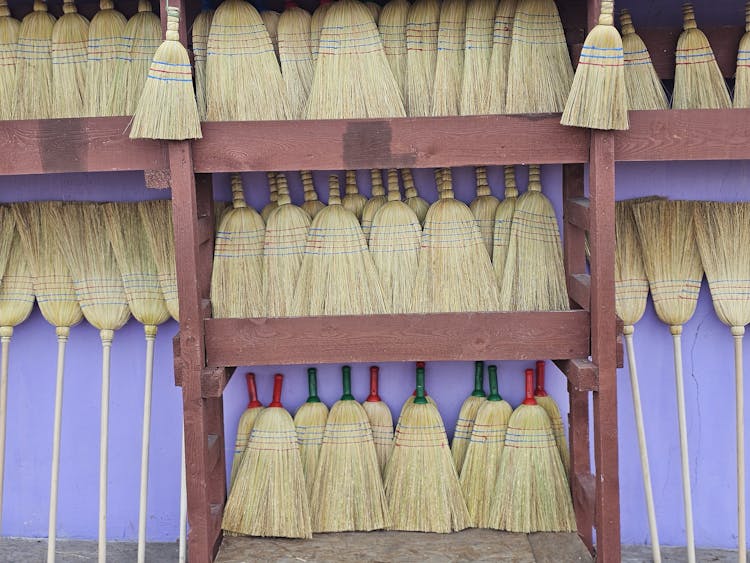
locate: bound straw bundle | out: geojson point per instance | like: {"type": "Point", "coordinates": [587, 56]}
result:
{"type": "Point", "coordinates": [415, 203]}
{"type": "Point", "coordinates": [373, 204]}
{"type": "Point", "coordinates": [316, 24]}
{"type": "Point", "coordinates": [167, 108]}
{"type": "Point", "coordinates": [539, 70]}
{"type": "Point", "coordinates": [237, 277]}
{"type": "Point", "coordinates": [201, 28]}
{"type": "Point", "coordinates": [475, 98]}
{"type": "Point", "coordinates": [422, 26]}
{"type": "Point", "coordinates": [269, 498]}
{"type": "Point", "coordinates": [455, 273]}
{"type": "Point", "coordinates": [271, 21]}
{"type": "Point", "coordinates": [421, 483]}
{"type": "Point", "coordinates": [9, 27]}
{"type": "Point", "coordinates": [501, 42]}
{"type": "Point", "coordinates": [742, 76]}
{"type": "Point", "coordinates": [374, 8]}
{"type": "Point", "coordinates": [239, 52]}
{"type": "Point", "coordinates": [347, 493]}
{"type": "Point", "coordinates": [466, 416]}
{"type": "Point", "coordinates": [449, 65]}
{"type": "Point", "coordinates": [352, 77]}
{"type": "Point", "coordinates": [283, 248]}
{"type": "Point", "coordinates": [338, 275]}
{"type": "Point", "coordinates": [531, 491]}
{"type": "Point", "coordinates": [380, 419]}
{"type": "Point", "coordinates": [297, 64]}
{"type": "Point", "coordinates": [245, 426]}
{"type": "Point", "coordinates": [106, 53]}
{"type": "Point", "coordinates": [666, 231]}
{"type": "Point", "coordinates": [484, 208]}
{"type": "Point", "coordinates": [157, 225]}
{"type": "Point", "coordinates": [353, 200]}
{"type": "Point", "coordinates": [642, 84]}
{"type": "Point", "coordinates": [273, 194]}
{"type": "Point", "coordinates": [394, 246]}
{"type": "Point", "coordinates": [503, 222]}
{"type": "Point", "coordinates": [69, 36]}
{"type": "Point", "coordinates": [142, 37]}
{"type": "Point", "coordinates": [553, 411]}
{"type": "Point", "coordinates": [392, 28]}
{"type": "Point", "coordinates": [534, 275]}
{"type": "Point", "coordinates": [484, 453]}
{"type": "Point", "coordinates": [33, 85]}
{"type": "Point", "coordinates": [311, 205]}
{"type": "Point", "coordinates": [310, 422]}
{"type": "Point", "coordinates": [698, 83]}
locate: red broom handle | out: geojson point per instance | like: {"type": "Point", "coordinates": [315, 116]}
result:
{"type": "Point", "coordinates": [252, 392]}
{"type": "Point", "coordinates": [529, 388]}
{"type": "Point", "coordinates": [540, 392]}
{"type": "Point", "coordinates": [278, 380]}
{"type": "Point", "coordinates": [374, 397]}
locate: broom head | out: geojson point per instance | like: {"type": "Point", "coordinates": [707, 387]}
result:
{"type": "Point", "coordinates": [312, 204]}
{"type": "Point", "coordinates": [642, 84]}
{"type": "Point", "coordinates": [245, 426]}
{"type": "Point", "coordinates": [742, 76]}
{"type": "Point", "coordinates": [157, 223]}
{"type": "Point", "coordinates": [415, 203]}
{"type": "Point", "coordinates": [475, 88]}
{"type": "Point", "coordinates": [353, 200]}
{"type": "Point", "coordinates": [503, 222]}
{"type": "Point", "coordinates": [373, 204]}
{"type": "Point", "coordinates": [484, 208]}
{"type": "Point", "coordinates": [16, 281]}
{"type": "Point", "coordinates": [273, 195]}
{"type": "Point", "coordinates": [310, 422]}
{"type": "Point", "coordinates": [9, 27]}
{"type": "Point", "coordinates": [297, 64]}
{"type": "Point", "coordinates": [106, 57]}
{"type": "Point", "coordinates": [69, 37]}
{"type": "Point", "coordinates": [381, 420]}
{"type": "Point", "coordinates": [422, 28]}
{"type": "Point", "coordinates": [466, 416]}
{"type": "Point", "coordinates": [143, 37]}
{"type": "Point", "coordinates": [501, 42]}
{"type": "Point", "coordinates": [446, 96]}
{"type": "Point", "coordinates": [201, 28]}
{"type": "Point", "coordinates": [553, 411]}
{"type": "Point", "coordinates": [33, 86]}
{"type": "Point", "coordinates": [392, 28]}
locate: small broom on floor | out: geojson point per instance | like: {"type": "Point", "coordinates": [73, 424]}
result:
{"type": "Point", "coordinates": [34, 97]}
{"type": "Point", "coordinates": [553, 411]}
{"type": "Point", "coordinates": [642, 84]}
{"type": "Point", "coordinates": [271, 21]}
{"type": "Point", "coordinates": [297, 65]}
{"type": "Point", "coordinates": [673, 266]}
{"type": "Point", "coordinates": [446, 95]}
{"type": "Point", "coordinates": [338, 275]}
{"type": "Point", "coordinates": [484, 453]}
{"type": "Point", "coordinates": [312, 205]}
{"type": "Point", "coordinates": [484, 208]}
{"type": "Point", "coordinates": [347, 492]}
{"type": "Point", "coordinates": [157, 224]}
{"type": "Point", "coordinates": [475, 98]}
{"type": "Point", "coordinates": [531, 491]}
{"type": "Point", "coordinates": [69, 60]}
{"type": "Point", "coordinates": [375, 202]}
{"type": "Point", "coordinates": [698, 83]}
{"type": "Point", "coordinates": [534, 275]}
{"type": "Point", "coordinates": [455, 273]}
{"type": "Point", "coordinates": [245, 426]}
{"type": "Point", "coordinates": [466, 416]}
{"type": "Point", "coordinates": [742, 76]}
{"type": "Point", "coordinates": [106, 54]}
{"type": "Point", "coordinates": [142, 38]}
{"type": "Point", "coordinates": [316, 24]}
{"type": "Point", "coordinates": [310, 422]}
{"type": "Point", "coordinates": [381, 420]}
{"type": "Point", "coordinates": [421, 483]}
{"type": "Point", "coordinates": [501, 42]}
{"type": "Point", "coordinates": [201, 28]}
{"type": "Point", "coordinates": [394, 246]}
{"type": "Point", "coordinates": [9, 27]}
{"type": "Point", "coordinates": [503, 222]}
{"type": "Point", "coordinates": [598, 98]}
{"type": "Point", "coordinates": [273, 195]}
{"type": "Point", "coordinates": [422, 28]}
{"type": "Point", "coordinates": [167, 108]}
{"type": "Point", "coordinates": [237, 277]}
{"type": "Point", "coordinates": [283, 248]}
{"type": "Point", "coordinates": [415, 203]}
{"type": "Point", "coordinates": [269, 497]}
{"type": "Point", "coordinates": [392, 28]}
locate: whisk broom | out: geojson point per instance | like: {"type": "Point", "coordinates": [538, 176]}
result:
{"type": "Point", "coordinates": [347, 492]}
{"type": "Point", "coordinates": [316, 24]}
{"type": "Point", "coordinates": [642, 85]}
{"type": "Point", "coordinates": [449, 63]}
{"type": "Point", "coordinates": [475, 99]}
{"type": "Point", "coordinates": [373, 204]}
{"type": "Point", "coordinates": [381, 420]}
{"type": "Point", "coordinates": [312, 204]}
{"type": "Point", "coordinates": [484, 208]}
{"type": "Point", "coordinates": [422, 27]}
{"type": "Point", "coordinates": [69, 37]}
{"type": "Point", "coordinates": [106, 53]}
{"type": "Point", "coordinates": [297, 64]}
{"type": "Point", "coordinates": [553, 411]}
{"type": "Point", "coordinates": [245, 426]}
{"type": "Point", "coordinates": [503, 222]}
{"type": "Point", "coordinates": [466, 416]}
{"type": "Point", "coordinates": [200, 30]}
{"type": "Point", "coordinates": [415, 203]}
{"type": "Point", "coordinates": [273, 194]}
{"type": "Point", "coordinates": [742, 75]}
{"type": "Point", "coordinates": [9, 27]}
{"type": "Point", "coordinates": [33, 86]}
{"type": "Point", "coordinates": [310, 422]}
{"type": "Point", "coordinates": [672, 262]}
{"type": "Point", "coordinates": [157, 224]}
{"type": "Point", "coordinates": [142, 37]}
{"type": "Point", "coordinates": [497, 75]}
{"type": "Point", "coordinates": [392, 28]}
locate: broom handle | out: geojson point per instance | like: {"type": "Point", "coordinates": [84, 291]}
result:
{"type": "Point", "coordinates": [738, 332]}
{"type": "Point", "coordinates": [374, 396]}
{"type": "Point", "coordinates": [478, 380]}
{"type": "Point", "coordinates": [183, 502]}
{"type": "Point", "coordinates": [62, 339]}
{"type": "Point", "coordinates": [5, 335]}
{"type": "Point", "coordinates": [686, 495]}
{"type": "Point", "coordinates": [647, 488]}
{"type": "Point", "coordinates": [106, 336]}
{"type": "Point", "coordinates": [145, 439]}
{"type": "Point", "coordinates": [540, 391]}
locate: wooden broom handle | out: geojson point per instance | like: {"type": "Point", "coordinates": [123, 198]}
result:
{"type": "Point", "coordinates": [738, 332]}
{"type": "Point", "coordinates": [312, 386]}
{"type": "Point", "coordinates": [374, 397]}
{"type": "Point", "coordinates": [540, 391]}
{"type": "Point", "coordinates": [529, 400]}
{"type": "Point", "coordinates": [252, 391]}
{"type": "Point", "coordinates": [278, 381]}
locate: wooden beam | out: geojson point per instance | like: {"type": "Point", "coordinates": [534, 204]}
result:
{"type": "Point", "coordinates": [582, 374]}
{"type": "Point", "coordinates": [214, 380]}
{"type": "Point", "coordinates": [579, 289]}
{"type": "Point", "coordinates": [576, 212]}
{"type": "Point", "coordinates": [580, 462]}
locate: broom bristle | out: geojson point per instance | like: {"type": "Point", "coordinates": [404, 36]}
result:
{"type": "Point", "coordinates": [392, 28]}
{"type": "Point", "coordinates": [201, 28]}
{"type": "Point", "coordinates": [69, 37]}
{"type": "Point", "coordinates": [106, 54]}
{"type": "Point", "coordinates": [503, 222]}
{"type": "Point", "coordinates": [310, 422]}
{"type": "Point", "coordinates": [534, 274]}
{"type": "Point", "coordinates": [742, 76]}
{"type": "Point", "coordinates": [7, 235]}
{"type": "Point", "coordinates": [157, 224]}
{"type": "Point", "coordinates": [353, 200]}
{"type": "Point", "coordinates": [598, 98]}
{"type": "Point", "coordinates": [374, 8]}
{"type": "Point", "coordinates": [698, 83]}
{"type": "Point", "coordinates": [449, 65]}
{"type": "Point", "coordinates": [501, 42]}
{"type": "Point", "coordinates": [34, 97]}
{"type": "Point", "coordinates": [16, 281]}
{"type": "Point", "coordinates": [237, 278]}
{"type": "Point", "coordinates": [239, 52]}
{"type": "Point", "coordinates": [558, 431]}
{"type": "Point", "coordinates": [273, 195]}
{"type": "Point", "coordinates": [475, 99]}
{"type": "Point", "coordinates": [484, 209]}
{"type": "Point", "coordinates": [271, 21]}
{"type": "Point", "coordinates": [244, 429]}
{"type": "Point", "coordinates": [297, 65]}
{"type": "Point", "coordinates": [422, 27]}
{"type": "Point", "coordinates": [415, 203]}
{"type": "Point", "coordinates": [375, 202]}
{"type": "Point", "coordinates": [316, 24]}
{"type": "Point", "coordinates": [540, 73]}
{"type": "Point", "coordinates": [312, 205]}
{"type": "Point", "coordinates": [381, 420]}
{"type": "Point", "coordinates": [284, 246]}
{"type": "Point", "coordinates": [9, 27]}
{"type": "Point", "coordinates": [642, 85]}
{"type": "Point", "coordinates": [142, 37]}
{"type": "Point", "coordinates": [466, 416]}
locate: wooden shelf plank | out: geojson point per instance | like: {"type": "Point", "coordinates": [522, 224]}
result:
{"type": "Point", "coordinates": [393, 338]}
{"type": "Point", "coordinates": [387, 143]}
{"type": "Point", "coordinates": [577, 212]}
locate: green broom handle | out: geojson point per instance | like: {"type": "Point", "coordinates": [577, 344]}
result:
{"type": "Point", "coordinates": [420, 399]}
{"type": "Point", "coordinates": [278, 381]}
{"type": "Point", "coordinates": [494, 393]}
{"type": "Point", "coordinates": [374, 397]}
{"type": "Point", "coordinates": [312, 385]}
{"type": "Point", "coordinates": [529, 388]}
{"type": "Point", "coordinates": [346, 380]}
{"type": "Point", "coordinates": [539, 391]}
{"type": "Point", "coordinates": [478, 380]}
{"type": "Point", "coordinates": [252, 391]}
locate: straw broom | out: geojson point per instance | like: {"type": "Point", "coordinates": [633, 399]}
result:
{"type": "Point", "coordinates": [352, 77]}
{"type": "Point", "coordinates": [598, 98]}
{"type": "Point", "coordinates": [673, 266]}
{"type": "Point", "coordinates": [392, 28]}
{"type": "Point", "coordinates": [273, 194]}
{"type": "Point", "coordinates": [316, 24]}
{"type": "Point", "coordinates": [553, 411]}
{"type": "Point", "coordinates": [375, 202]}
{"type": "Point", "coordinates": [240, 51]}
{"type": "Point", "coordinates": [9, 27]}
{"type": "Point", "coordinates": [394, 246]}
{"type": "Point", "coordinates": [534, 275]}
{"type": "Point", "coordinates": [698, 83]}
{"type": "Point", "coordinates": [33, 86]}
{"type": "Point", "coordinates": [271, 21]}
{"type": "Point", "coordinates": [475, 99]}
{"type": "Point", "coordinates": [484, 208]}
{"type": "Point", "coordinates": [69, 37]}
{"type": "Point", "coordinates": [721, 233]}
{"type": "Point", "coordinates": [422, 27]}
{"type": "Point", "coordinates": [642, 84]}
{"type": "Point", "coordinates": [338, 275]}
{"type": "Point", "coordinates": [237, 277]}
{"type": "Point", "coordinates": [381, 420]}
{"type": "Point", "coordinates": [742, 76]}
{"type": "Point", "coordinates": [503, 222]}
{"type": "Point", "coordinates": [455, 273]}
{"type": "Point", "coordinates": [201, 28]}
{"type": "Point", "coordinates": [421, 483]}
{"type": "Point", "coordinates": [297, 65]}
{"type": "Point", "coordinates": [484, 453]}
{"type": "Point", "coordinates": [283, 248]}
{"type": "Point", "coordinates": [497, 75]}
{"type": "Point", "coordinates": [409, 403]}
{"type": "Point", "coordinates": [142, 36]}
{"type": "Point", "coordinates": [449, 63]}
{"type": "Point", "coordinates": [157, 224]}
{"type": "Point", "coordinates": [269, 498]}
{"type": "Point", "coordinates": [466, 416]}
{"type": "Point", "coordinates": [347, 492]}
{"type": "Point", "coordinates": [310, 422]}
{"type": "Point", "coordinates": [415, 203]}
{"type": "Point", "coordinates": [106, 53]}
{"type": "Point", "coordinates": [312, 205]}
{"type": "Point", "coordinates": [245, 426]}
{"type": "Point", "coordinates": [539, 70]}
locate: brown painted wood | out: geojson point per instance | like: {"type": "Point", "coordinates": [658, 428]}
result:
{"type": "Point", "coordinates": [576, 212]}
{"type": "Point", "coordinates": [579, 289]}
{"type": "Point", "coordinates": [574, 253]}
{"type": "Point", "coordinates": [580, 461]}
{"type": "Point", "coordinates": [92, 144]}
{"type": "Point", "coordinates": [214, 380]}
{"type": "Point", "coordinates": [582, 374]}
{"type": "Point", "coordinates": [396, 338]}
{"type": "Point", "coordinates": [157, 179]}
{"type": "Point", "coordinates": [387, 143]}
